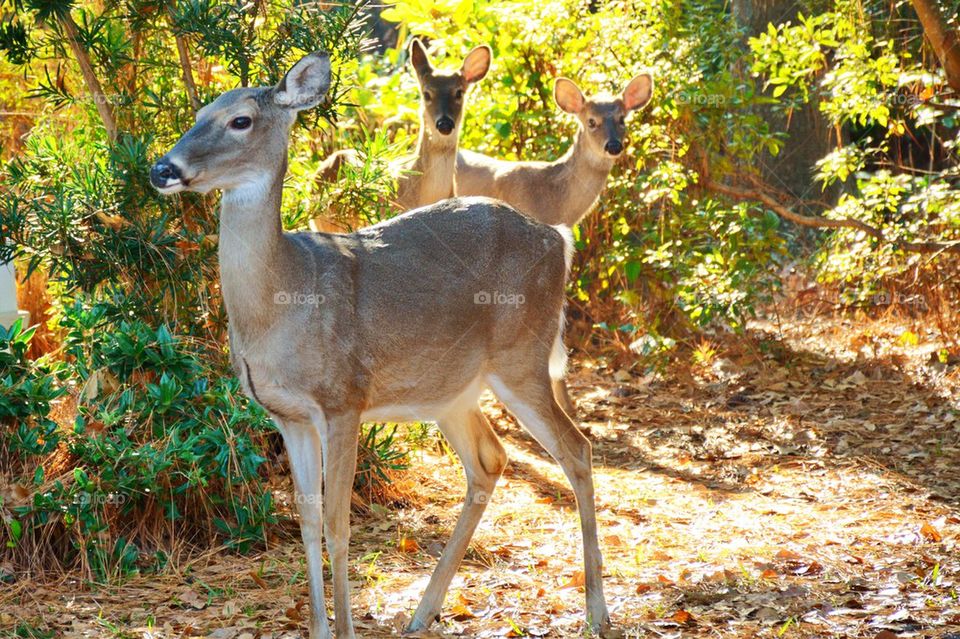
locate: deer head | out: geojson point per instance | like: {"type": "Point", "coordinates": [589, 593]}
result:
{"type": "Point", "coordinates": [442, 91]}
{"type": "Point", "coordinates": [603, 117]}
{"type": "Point", "coordinates": [243, 135]}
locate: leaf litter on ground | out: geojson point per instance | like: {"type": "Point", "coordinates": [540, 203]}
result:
{"type": "Point", "coordinates": [803, 484]}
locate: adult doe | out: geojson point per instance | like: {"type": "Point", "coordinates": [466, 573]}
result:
{"type": "Point", "coordinates": [442, 95]}
{"type": "Point", "coordinates": [396, 322]}
{"type": "Point", "coordinates": [563, 191]}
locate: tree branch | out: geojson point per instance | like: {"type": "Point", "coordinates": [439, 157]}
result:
{"type": "Point", "coordinates": [72, 33]}
{"type": "Point", "coordinates": [186, 68]}
{"type": "Point", "coordinates": [814, 221]}
{"type": "Point", "coordinates": [943, 39]}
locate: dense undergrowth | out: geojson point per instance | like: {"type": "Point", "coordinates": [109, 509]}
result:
{"type": "Point", "coordinates": [129, 442]}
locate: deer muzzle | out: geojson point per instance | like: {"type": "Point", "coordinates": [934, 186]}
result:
{"type": "Point", "coordinates": [166, 176]}
{"type": "Point", "coordinates": [445, 125]}
{"type": "Point", "coordinates": [613, 147]}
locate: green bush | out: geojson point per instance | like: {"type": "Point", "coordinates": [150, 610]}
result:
{"type": "Point", "coordinates": [164, 450]}
{"type": "Point", "coordinates": [656, 255]}
{"type": "Point", "coordinates": [160, 439]}
{"type": "Point", "coordinates": [28, 389]}
{"type": "Point", "coordinates": [896, 161]}
{"type": "Point", "coordinates": [162, 433]}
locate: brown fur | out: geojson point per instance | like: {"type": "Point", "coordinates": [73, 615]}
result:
{"type": "Point", "coordinates": [384, 324]}
{"type": "Point", "coordinates": [565, 190]}
{"type": "Point", "coordinates": [442, 95]}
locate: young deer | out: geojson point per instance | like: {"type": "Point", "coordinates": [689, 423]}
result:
{"type": "Point", "coordinates": [442, 95]}
{"type": "Point", "coordinates": [563, 191]}
{"type": "Point", "coordinates": [401, 321]}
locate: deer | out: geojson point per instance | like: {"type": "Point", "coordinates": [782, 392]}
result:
{"type": "Point", "coordinates": [407, 320]}
{"type": "Point", "coordinates": [430, 172]}
{"type": "Point", "coordinates": [567, 189]}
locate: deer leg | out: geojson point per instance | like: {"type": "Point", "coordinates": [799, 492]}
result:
{"type": "Point", "coordinates": [339, 468]}
{"type": "Point", "coordinates": [303, 444]}
{"type": "Point", "coordinates": [484, 459]}
{"type": "Point", "coordinates": [534, 405]}
{"type": "Point", "coordinates": [562, 393]}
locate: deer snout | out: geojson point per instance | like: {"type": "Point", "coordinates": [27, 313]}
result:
{"type": "Point", "coordinates": [165, 174]}
{"type": "Point", "coordinates": [613, 147]}
{"type": "Point", "coordinates": [445, 125]}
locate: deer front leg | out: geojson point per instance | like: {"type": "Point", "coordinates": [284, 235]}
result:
{"type": "Point", "coordinates": [304, 451]}
{"type": "Point", "coordinates": [339, 468]}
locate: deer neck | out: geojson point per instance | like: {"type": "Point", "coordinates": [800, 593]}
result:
{"type": "Point", "coordinates": [583, 174]}
{"type": "Point", "coordinates": [252, 251]}
{"type": "Point", "coordinates": [436, 161]}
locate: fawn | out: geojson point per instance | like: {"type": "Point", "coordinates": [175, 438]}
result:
{"type": "Point", "coordinates": [401, 321]}
{"type": "Point", "coordinates": [565, 190]}
{"type": "Point", "coordinates": [442, 95]}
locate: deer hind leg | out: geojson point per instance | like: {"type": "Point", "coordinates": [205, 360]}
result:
{"type": "Point", "coordinates": [558, 369]}
{"type": "Point", "coordinates": [339, 468]}
{"type": "Point", "coordinates": [484, 459]}
{"type": "Point", "coordinates": [562, 395]}
{"type": "Point", "coordinates": [302, 441]}
{"type": "Point", "coordinates": [531, 399]}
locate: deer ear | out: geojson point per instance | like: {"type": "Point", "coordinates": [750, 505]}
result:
{"type": "Point", "coordinates": [476, 64]}
{"type": "Point", "coordinates": [419, 58]}
{"type": "Point", "coordinates": [638, 92]}
{"type": "Point", "coordinates": [568, 95]}
{"type": "Point", "coordinates": [305, 84]}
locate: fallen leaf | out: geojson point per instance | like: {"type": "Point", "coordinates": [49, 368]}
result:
{"type": "Point", "coordinates": [293, 613]}
{"type": "Point", "coordinates": [813, 568]}
{"type": "Point", "coordinates": [683, 618]}
{"type": "Point", "coordinates": [578, 580]}
{"type": "Point", "coordinates": [192, 599]}
{"type": "Point", "coordinates": [930, 533]}
{"type": "Point", "coordinates": [613, 540]}
{"type": "Point", "coordinates": [461, 612]}
{"type": "Point", "coordinates": [407, 544]}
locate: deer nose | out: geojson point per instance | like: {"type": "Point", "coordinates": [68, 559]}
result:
{"type": "Point", "coordinates": [164, 172]}
{"type": "Point", "coordinates": [613, 147]}
{"type": "Point", "coordinates": [445, 125]}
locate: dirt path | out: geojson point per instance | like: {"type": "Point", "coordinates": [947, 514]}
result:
{"type": "Point", "coordinates": [794, 485]}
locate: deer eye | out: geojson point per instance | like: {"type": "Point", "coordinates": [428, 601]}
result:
{"type": "Point", "coordinates": [459, 93]}
{"type": "Point", "coordinates": [241, 123]}
{"type": "Point", "coordinates": [427, 96]}
{"type": "Point", "coordinates": [623, 119]}
{"type": "Point", "coordinates": [592, 123]}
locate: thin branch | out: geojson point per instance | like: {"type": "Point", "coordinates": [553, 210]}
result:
{"type": "Point", "coordinates": [72, 33]}
{"type": "Point", "coordinates": [943, 39]}
{"type": "Point", "coordinates": [184, 52]}
{"type": "Point", "coordinates": [815, 221]}
{"type": "Point", "coordinates": [784, 212]}
{"type": "Point", "coordinates": [186, 68]}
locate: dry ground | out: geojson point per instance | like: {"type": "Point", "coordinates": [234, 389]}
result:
{"type": "Point", "coordinates": [796, 484]}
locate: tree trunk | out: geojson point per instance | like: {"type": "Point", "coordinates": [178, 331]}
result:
{"type": "Point", "coordinates": [100, 99]}
{"type": "Point", "coordinates": [943, 39]}
{"type": "Point", "coordinates": [807, 131]}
